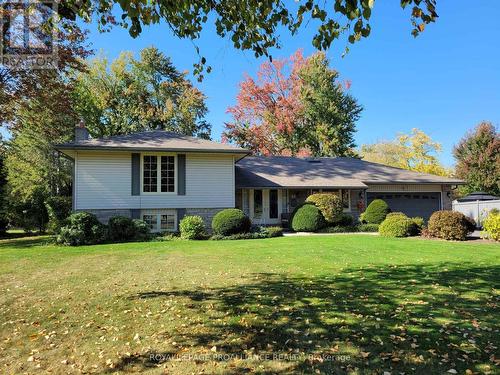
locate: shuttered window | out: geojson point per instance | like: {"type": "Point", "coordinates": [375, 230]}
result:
{"type": "Point", "coordinates": [158, 174]}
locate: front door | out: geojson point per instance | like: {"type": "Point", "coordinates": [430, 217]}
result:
{"type": "Point", "coordinates": [265, 207]}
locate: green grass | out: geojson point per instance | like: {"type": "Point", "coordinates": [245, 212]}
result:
{"type": "Point", "coordinates": [318, 304]}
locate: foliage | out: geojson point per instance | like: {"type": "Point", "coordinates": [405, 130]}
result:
{"type": "Point", "coordinates": [130, 95]}
{"type": "Point", "coordinates": [82, 228]}
{"type": "Point", "coordinates": [418, 224]}
{"type": "Point", "coordinates": [272, 232]}
{"type": "Point", "coordinates": [491, 225]}
{"type": "Point", "coordinates": [296, 106]}
{"type": "Point", "coordinates": [415, 151]}
{"type": "Point", "coordinates": [58, 210]}
{"type": "Point", "coordinates": [121, 229]}
{"type": "Point", "coordinates": [376, 212]}
{"type": "Point", "coordinates": [449, 225]}
{"type": "Point", "coordinates": [4, 222]}
{"type": "Point", "coordinates": [368, 227]}
{"type": "Point", "coordinates": [477, 158]}
{"type": "Point", "coordinates": [329, 204]}
{"type": "Point", "coordinates": [340, 229]}
{"type": "Point", "coordinates": [230, 221]}
{"type": "Point", "coordinates": [254, 233]}
{"type": "Point", "coordinates": [345, 220]}
{"type": "Point", "coordinates": [142, 230]}
{"type": "Point", "coordinates": [29, 214]}
{"type": "Point", "coordinates": [308, 218]}
{"type": "Point", "coordinates": [253, 25]}
{"type": "Point", "coordinates": [192, 228]}
{"type": "Point", "coordinates": [396, 226]}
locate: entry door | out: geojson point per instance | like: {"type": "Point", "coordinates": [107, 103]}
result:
{"type": "Point", "coordinates": [265, 206]}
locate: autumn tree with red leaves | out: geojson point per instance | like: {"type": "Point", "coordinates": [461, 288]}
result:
{"type": "Point", "coordinates": [296, 106]}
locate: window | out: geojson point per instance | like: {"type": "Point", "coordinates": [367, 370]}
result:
{"type": "Point", "coordinates": [158, 174]}
{"type": "Point", "coordinates": [160, 220]}
{"type": "Point", "coordinates": [346, 199]}
{"type": "Point", "coordinates": [257, 204]}
{"type": "Point", "coordinates": [273, 204]}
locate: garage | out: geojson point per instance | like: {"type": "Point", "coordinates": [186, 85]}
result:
{"type": "Point", "coordinates": [412, 204]}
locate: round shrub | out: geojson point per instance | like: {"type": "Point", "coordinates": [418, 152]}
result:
{"type": "Point", "coordinates": [121, 228]}
{"type": "Point", "coordinates": [82, 228]}
{"type": "Point", "coordinates": [449, 225]}
{"type": "Point", "coordinates": [376, 212]}
{"type": "Point", "coordinates": [192, 228]}
{"type": "Point", "coordinates": [142, 229]}
{"type": "Point", "coordinates": [396, 226]}
{"type": "Point", "coordinates": [230, 221]}
{"type": "Point", "coordinates": [329, 204]}
{"type": "Point", "coordinates": [308, 218]}
{"type": "Point", "coordinates": [491, 225]}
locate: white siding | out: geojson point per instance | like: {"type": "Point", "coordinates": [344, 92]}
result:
{"type": "Point", "coordinates": [103, 181]}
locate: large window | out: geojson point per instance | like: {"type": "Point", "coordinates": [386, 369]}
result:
{"type": "Point", "coordinates": [257, 204]}
{"type": "Point", "coordinates": [160, 220]}
{"type": "Point", "coordinates": [158, 174]}
{"type": "Point", "coordinates": [273, 204]}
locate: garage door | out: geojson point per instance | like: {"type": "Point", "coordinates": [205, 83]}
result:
{"type": "Point", "coordinates": [412, 204]}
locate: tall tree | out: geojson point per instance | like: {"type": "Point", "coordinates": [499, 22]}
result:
{"type": "Point", "coordinates": [251, 25]}
{"type": "Point", "coordinates": [415, 151]}
{"type": "Point", "coordinates": [477, 158]}
{"type": "Point", "coordinates": [296, 106]}
{"type": "Point", "coordinates": [131, 94]}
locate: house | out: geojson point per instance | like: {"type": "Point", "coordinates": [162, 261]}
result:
{"type": "Point", "coordinates": [161, 176]}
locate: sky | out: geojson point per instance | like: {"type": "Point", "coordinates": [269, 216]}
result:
{"type": "Point", "coordinates": [444, 82]}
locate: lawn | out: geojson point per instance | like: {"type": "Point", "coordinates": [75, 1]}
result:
{"type": "Point", "coordinates": [322, 304]}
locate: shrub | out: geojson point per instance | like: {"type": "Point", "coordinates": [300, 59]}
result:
{"type": "Point", "coordinates": [418, 224]}
{"type": "Point", "coordinates": [368, 227]}
{"type": "Point", "coordinates": [449, 225]}
{"type": "Point", "coordinates": [329, 204]}
{"type": "Point", "coordinates": [58, 210]}
{"type": "Point", "coordinates": [121, 228]}
{"type": "Point", "coordinates": [3, 223]}
{"type": "Point", "coordinates": [491, 225]}
{"type": "Point", "coordinates": [142, 230]}
{"type": "Point", "coordinates": [308, 218]}
{"type": "Point", "coordinates": [340, 229]}
{"type": "Point", "coordinates": [376, 212]}
{"type": "Point", "coordinates": [396, 226]}
{"type": "Point", "coordinates": [82, 228]}
{"type": "Point", "coordinates": [230, 221]}
{"type": "Point", "coordinates": [273, 232]}
{"type": "Point", "coordinates": [345, 220]}
{"type": "Point", "coordinates": [192, 228]}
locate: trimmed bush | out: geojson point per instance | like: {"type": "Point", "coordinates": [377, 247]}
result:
{"type": "Point", "coordinates": [121, 228]}
{"type": "Point", "coordinates": [142, 230]}
{"type": "Point", "coordinates": [192, 228]}
{"type": "Point", "coordinates": [273, 231]}
{"type": "Point", "coordinates": [368, 228]}
{"type": "Point", "coordinates": [340, 229]}
{"type": "Point", "coordinates": [491, 225]}
{"type": "Point", "coordinates": [396, 226]}
{"type": "Point", "coordinates": [82, 228]}
{"type": "Point", "coordinates": [329, 204]}
{"type": "Point", "coordinates": [256, 233]}
{"type": "Point", "coordinates": [418, 224]}
{"type": "Point", "coordinates": [376, 212]}
{"type": "Point", "coordinates": [449, 225]}
{"type": "Point", "coordinates": [345, 220]}
{"type": "Point", "coordinates": [230, 221]}
{"type": "Point", "coordinates": [308, 218]}
{"type": "Point", "coordinates": [58, 210]}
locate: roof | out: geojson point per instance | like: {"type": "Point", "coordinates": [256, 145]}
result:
{"type": "Point", "coordinates": [154, 140]}
{"type": "Point", "coordinates": [342, 172]}
{"type": "Point", "coordinates": [478, 196]}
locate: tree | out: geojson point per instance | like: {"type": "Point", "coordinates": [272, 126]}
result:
{"type": "Point", "coordinates": [477, 158]}
{"type": "Point", "coordinates": [251, 25]}
{"type": "Point", "coordinates": [415, 151]}
{"type": "Point", "coordinates": [295, 107]}
{"type": "Point", "coordinates": [131, 95]}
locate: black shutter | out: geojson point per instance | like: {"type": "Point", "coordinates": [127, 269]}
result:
{"type": "Point", "coordinates": [136, 174]}
{"type": "Point", "coordinates": [181, 174]}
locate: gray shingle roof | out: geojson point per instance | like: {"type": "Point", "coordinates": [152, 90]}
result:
{"type": "Point", "coordinates": [284, 171]}
{"type": "Point", "coordinates": [155, 140]}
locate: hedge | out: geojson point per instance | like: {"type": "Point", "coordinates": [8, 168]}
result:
{"type": "Point", "coordinates": [329, 204]}
{"type": "Point", "coordinates": [308, 218]}
{"type": "Point", "coordinates": [376, 212]}
{"type": "Point", "coordinates": [82, 228]}
{"type": "Point", "coordinates": [230, 221]}
{"type": "Point", "coordinates": [450, 225]}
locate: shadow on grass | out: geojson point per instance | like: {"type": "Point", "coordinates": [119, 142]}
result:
{"type": "Point", "coordinates": [412, 319]}
{"type": "Point", "coordinates": [24, 242]}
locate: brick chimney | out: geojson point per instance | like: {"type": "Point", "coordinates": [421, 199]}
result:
{"type": "Point", "coordinates": [81, 132]}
